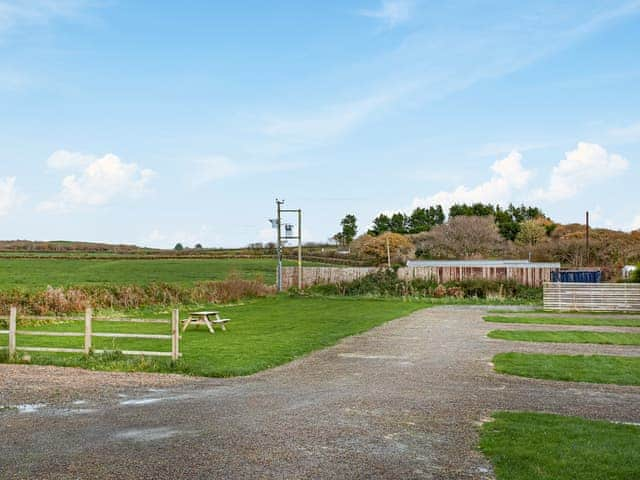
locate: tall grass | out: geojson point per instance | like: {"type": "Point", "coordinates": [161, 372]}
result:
{"type": "Point", "coordinates": [62, 301]}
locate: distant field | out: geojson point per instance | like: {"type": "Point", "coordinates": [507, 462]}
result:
{"type": "Point", "coordinates": [30, 273]}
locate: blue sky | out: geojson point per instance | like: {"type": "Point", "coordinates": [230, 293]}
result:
{"type": "Point", "coordinates": [156, 122]}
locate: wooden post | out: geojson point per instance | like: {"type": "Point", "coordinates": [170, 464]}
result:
{"type": "Point", "coordinates": [13, 316]}
{"type": "Point", "coordinates": [175, 334]}
{"type": "Point", "coordinates": [88, 317]}
{"type": "Point", "coordinates": [388, 254]}
{"type": "Point", "coordinates": [300, 284]}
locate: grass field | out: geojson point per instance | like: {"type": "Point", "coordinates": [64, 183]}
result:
{"type": "Point", "coordinates": [613, 322]}
{"type": "Point", "coordinates": [535, 446]}
{"type": "Point", "coordinates": [573, 368]}
{"type": "Point", "coordinates": [608, 338]}
{"type": "Point", "coordinates": [31, 274]}
{"type": "Point", "coordinates": [262, 334]}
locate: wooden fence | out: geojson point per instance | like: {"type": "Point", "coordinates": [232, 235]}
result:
{"type": "Point", "coordinates": [89, 334]}
{"type": "Point", "coordinates": [322, 275]}
{"type": "Point", "coordinates": [592, 297]}
{"type": "Point", "coordinates": [533, 276]}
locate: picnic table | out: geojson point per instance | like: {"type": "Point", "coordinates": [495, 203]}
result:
{"type": "Point", "coordinates": [208, 318]}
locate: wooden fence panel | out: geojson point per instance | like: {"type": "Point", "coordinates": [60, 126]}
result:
{"type": "Point", "coordinates": [533, 276]}
{"type": "Point", "coordinates": [597, 297]}
{"type": "Point", "coordinates": [323, 275]}
{"type": "Point", "coordinates": [88, 335]}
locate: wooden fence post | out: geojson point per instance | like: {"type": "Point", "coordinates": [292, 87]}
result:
{"type": "Point", "coordinates": [13, 316]}
{"type": "Point", "coordinates": [175, 334]}
{"type": "Point", "coordinates": [88, 317]}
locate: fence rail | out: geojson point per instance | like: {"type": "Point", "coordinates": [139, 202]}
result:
{"type": "Point", "coordinates": [602, 297]}
{"type": "Point", "coordinates": [88, 336]}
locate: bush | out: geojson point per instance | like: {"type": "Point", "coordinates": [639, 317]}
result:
{"type": "Point", "coordinates": [635, 276]}
{"type": "Point", "coordinates": [400, 248]}
{"type": "Point", "coordinates": [387, 283]}
{"type": "Point", "coordinates": [61, 301]}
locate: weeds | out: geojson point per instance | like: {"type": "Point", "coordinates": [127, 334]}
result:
{"type": "Point", "coordinates": [64, 301]}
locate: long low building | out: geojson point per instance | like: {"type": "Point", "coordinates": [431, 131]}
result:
{"type": "Point", "coordinates": [442, 271]}
{"type": "Point", "coordinates": [482, 263]}
{"type": "Point", "coordinates": [533, 274]}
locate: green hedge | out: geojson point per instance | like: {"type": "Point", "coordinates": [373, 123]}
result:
{"type": "Point", "coordinates": [387, 283]}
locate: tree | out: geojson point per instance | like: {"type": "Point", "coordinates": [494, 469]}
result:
{"type": "Point", "coordinates": [531, 232]}
{"type": "Point", "coordinates": [462, 237]}
{"type": "Point", "coordinates": [423, 219]}
{"type": "Point", "coordinates": [400, 247]}
{"type": "Point", "coordinates": [508, 220]}
{"type": "Point", "coordinates": [399, 223]}
{"type": "Point", "coordinates": [349, 228]}
{"type": "Point", "coordinates": [475, 210]}
{"type": "Point", "coordinates": [198, 246]}
{"type": "Point", "coordinates": [381, 224]}
{"type": "Point", "coordinates": [179, 247]}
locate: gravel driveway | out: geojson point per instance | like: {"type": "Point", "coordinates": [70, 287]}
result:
{"type": "Point", "coordinates": [403, 400]}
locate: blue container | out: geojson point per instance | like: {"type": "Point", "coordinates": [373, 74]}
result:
{"type": "Point", "coordinates": [576, 276]}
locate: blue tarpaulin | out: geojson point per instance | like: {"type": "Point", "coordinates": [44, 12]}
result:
{"type": "Point", "coordinates": [576, 276]}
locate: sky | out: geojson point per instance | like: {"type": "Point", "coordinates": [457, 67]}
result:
{"type": "Point", "coordinates": [161, 122]}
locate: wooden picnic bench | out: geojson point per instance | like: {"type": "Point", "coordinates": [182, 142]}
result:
{"type": "Point", "coordinates": [207, 318]}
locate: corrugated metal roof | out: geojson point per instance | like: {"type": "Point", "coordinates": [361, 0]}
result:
{"type": "Point", "coordinates": [481, 263]}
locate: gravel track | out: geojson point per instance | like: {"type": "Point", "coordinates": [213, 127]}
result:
{"type": "Point", "coordinates": [403, 400]}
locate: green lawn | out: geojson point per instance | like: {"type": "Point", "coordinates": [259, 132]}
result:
{"type": "Point", "coordinates": [263, 333]}
{"type": "Point", "coordinates": [610, 321]}
{"type": "Point", "coordinates": [573, 336]}
{"type": "Point", "coordinates": [574, 368]}
{"type": "Point", "coordinates": [536, 446]}
{"type": "Point", "coordinates": [38, 273]}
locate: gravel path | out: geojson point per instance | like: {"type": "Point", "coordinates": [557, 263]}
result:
{"type": "Point", "coordinates": [401, 401]}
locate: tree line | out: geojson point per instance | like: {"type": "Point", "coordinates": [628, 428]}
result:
{"type": "Point", "coordinates": [513, 222]}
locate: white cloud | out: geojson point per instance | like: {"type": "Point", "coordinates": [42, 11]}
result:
{"type": "Point", "coordinates": [9, 195]}
{"type": "Point", "coordinates": [64, 159]}
{"type": "Point", "coordinates": [630, 133]}
{"type": "Point", "coordinates": [391, 12]}
{"type": "Point", "coordinates": [217, 167]}
{"type": "Point", "coordinates": [100, 182]}
{"type": "Point", "coordinates": [588, 164]}
{"type": "Point", "coordinates": [635, 225]}
{"type": "Point", "coordinates": [509, 176]}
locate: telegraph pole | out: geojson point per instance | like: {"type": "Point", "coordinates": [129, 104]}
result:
{"type": "Point", "coordinates": [587, 237]}
{"type": "Point", "coordinates": [279, 244]}
{"type": "Point", "coordinates": [277, 223]}
{"type": "Point", "coordinates": [299, 249]}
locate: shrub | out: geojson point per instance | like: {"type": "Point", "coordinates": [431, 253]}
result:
{"type": "Point", "coordinates": [61, 301]}
{"type": "Point", "coordinates": [387, 283]}
{"type": "Point", "coordinates": [400, 247]}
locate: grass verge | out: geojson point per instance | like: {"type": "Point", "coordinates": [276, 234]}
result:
{"type": "Point", "coordinates": [572, 368]}
{"type": "Point", "coordinates": [607, 338]}
{"type": "Point", "coordinates": [612, 321]}
{"type": "Point", "coordinates": [536, 446]}
{"type": "Point", "coordinates": [263, 333]}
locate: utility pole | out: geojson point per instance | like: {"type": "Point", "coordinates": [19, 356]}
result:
{"type": "Point", "coordinates": [299, 249]}
{"type": "Point", "coordinates": [279, 244]}
{"type": "Point", "coordinates": [277, 223]}
{"type": "Point", "coordinates": [587, 238]}
{"type": "Point", "coordinates": [388, 254]}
